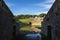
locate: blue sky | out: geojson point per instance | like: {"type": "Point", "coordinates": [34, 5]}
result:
{"type": "Point", "coordinates": [29, 6]}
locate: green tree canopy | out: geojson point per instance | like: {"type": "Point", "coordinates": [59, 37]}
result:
{"type": "Point", "coordinates": [24, 16]}
{"type": "Point", "coordinates": [42, 14]}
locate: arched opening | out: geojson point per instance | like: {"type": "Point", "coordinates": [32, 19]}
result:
{"type": "Point", "coordinates": [31, 9]}
{"type": "Point", "coordinates": [49, 32]}
{"type": "Point", "coordinates": [14, 32]}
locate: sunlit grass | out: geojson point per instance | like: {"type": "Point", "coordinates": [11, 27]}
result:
{"type": "Point", "coordinates": [25, 28]}
{"type": "Point", "coordinates": [38, 26]}
{"type": "Point", "coordinates": [25, 20]}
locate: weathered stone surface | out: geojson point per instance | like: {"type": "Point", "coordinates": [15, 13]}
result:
{"type": "Point", "coordinates": [6, 22]}
{"type": "Point", "coordinates": [51, 23]}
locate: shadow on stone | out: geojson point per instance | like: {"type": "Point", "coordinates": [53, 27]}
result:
{"type": "Point", "coordinates": [20, 37]}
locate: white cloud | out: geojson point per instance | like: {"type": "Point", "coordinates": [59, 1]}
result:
{"type": "Point", "coordinates": [22, 11]}
{"type": "Point", "coordinates": [46, 4]}
{"type": "Point", "coordinates": [9, 4]}
{"type": "Point", "coordinates": [49, 1]}
{"type": "Point", "coordinates": [37, 13]}
{"type": "Point", "coordinates": [28, 11]}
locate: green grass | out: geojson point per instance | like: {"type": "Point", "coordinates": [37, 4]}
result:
{"type": "Point", "coordinates": [25, 20]}
{"type": "Point", "coordinates": [25, 28]}
{"type": "Point", "coordinates": [38, 26]}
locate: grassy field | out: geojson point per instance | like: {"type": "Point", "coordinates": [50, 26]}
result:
{"type": "Point", "coordinates": [25, 20]}
{"type": "Point", "coordinates": [38, 26]}
{"type": "Point", "coordinates": [27, 28]}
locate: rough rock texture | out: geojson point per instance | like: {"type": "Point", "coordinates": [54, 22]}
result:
{"type": "Point", "coordinates": [51, 23]}
{"type": "Point", "coordinates": [6, 22]}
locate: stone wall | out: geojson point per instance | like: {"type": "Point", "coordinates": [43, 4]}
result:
{"type": "Point", "coordinates": [6, 22]}
{"type": "Point", "coordinates": [51, 22]}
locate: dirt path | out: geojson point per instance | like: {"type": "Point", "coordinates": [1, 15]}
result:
{"type": "Point", "coordinates": [35, 29]}
{"type": "Point", "coordinates": [36, 21]}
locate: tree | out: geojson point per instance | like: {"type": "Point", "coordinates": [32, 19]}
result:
{"type": "Point", "coordinates": [42, 14]}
